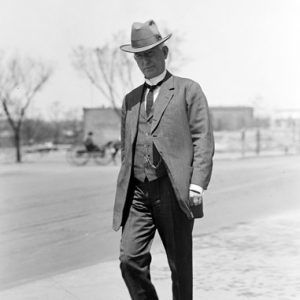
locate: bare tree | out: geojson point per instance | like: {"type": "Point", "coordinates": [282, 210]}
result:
{"type": "Point", "coordinates": [107, 68]}
{"type": "Point", "coordinates": [56, 113]}
{"type": "Point", "coordinates": [176, 58]}
{"type": "Point", "coordinates": [20, 80]}
{"type": "Point", "coordinates": [111, 70]}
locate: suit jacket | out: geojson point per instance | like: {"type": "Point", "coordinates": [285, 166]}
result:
{"type": "Point", "coordinates": [182, 133]}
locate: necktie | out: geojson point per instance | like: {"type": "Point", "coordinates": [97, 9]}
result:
{"type": "Point", "coordinates": [149, 98]}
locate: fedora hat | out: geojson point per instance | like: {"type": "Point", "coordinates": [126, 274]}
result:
{"type": "Point", "coordinates": [144, 36]}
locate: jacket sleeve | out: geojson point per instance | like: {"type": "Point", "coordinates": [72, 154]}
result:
{"type": "Point", "coordinates": [202, 135]}
{"type": "Point", "coordinates": [123, 121]}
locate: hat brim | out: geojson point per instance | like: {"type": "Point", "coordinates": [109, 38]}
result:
{"type": "Point", "coordinates": [129, 48]}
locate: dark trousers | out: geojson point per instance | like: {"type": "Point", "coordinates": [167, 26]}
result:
{"type": "Point", "coordinates": [154, 207]}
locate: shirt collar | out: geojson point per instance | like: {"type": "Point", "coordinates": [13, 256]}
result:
{"type": "Point", "coordinates": [157, 79]}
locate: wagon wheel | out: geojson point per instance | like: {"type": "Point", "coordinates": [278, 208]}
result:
{"type": "Point", "coordinates": [77, 155]}
{"type": "Point", "coordinates": [102, 156]}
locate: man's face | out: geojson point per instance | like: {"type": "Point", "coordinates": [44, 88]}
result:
{"type": "Point", "coordinates": [152, 62]}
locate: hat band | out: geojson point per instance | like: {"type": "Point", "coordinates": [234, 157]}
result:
{"type": "Point", "coordinates": [146, 42]}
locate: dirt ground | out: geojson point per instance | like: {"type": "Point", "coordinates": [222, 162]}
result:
{"type": "Point", "coordinates": [56, 218]}
{"type": "Point", "coordinates": [251, 260]}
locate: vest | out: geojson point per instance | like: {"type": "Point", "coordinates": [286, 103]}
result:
{"type": "Point", "coordinates": [147, 161]}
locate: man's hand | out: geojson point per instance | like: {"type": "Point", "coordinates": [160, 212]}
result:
{"type": "Point", "coordinates": [195, 198]}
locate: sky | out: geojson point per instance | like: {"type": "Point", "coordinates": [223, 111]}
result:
{"type": "Point", "coordinates": [242, 52]}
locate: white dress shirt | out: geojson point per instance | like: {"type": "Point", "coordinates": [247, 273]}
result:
{"type": "Point", "coordinates": [154, 81]}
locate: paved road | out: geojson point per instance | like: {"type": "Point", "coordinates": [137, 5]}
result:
{"type": "Point", "coordinates": [56, 217]}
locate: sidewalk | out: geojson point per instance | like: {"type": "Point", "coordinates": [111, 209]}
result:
{"type": "Point", "coordinates": [258, 260]}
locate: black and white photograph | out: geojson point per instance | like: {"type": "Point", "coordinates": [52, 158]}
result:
{"type": "Point", "coordinates": [149, 150]}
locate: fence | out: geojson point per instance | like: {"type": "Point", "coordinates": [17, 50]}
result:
{"type": "Point", "coordinates": [257, 141]}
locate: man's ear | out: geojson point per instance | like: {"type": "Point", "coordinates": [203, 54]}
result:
{"type": "Point", "coordinates": [165, 50]}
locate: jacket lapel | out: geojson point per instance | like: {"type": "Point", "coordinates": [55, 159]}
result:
{"type": "Point", "coordinates": [135, 110]}
{"type": "Point", "coordinates": [165, 95]}
{"type": "Point", "coordinates": [143, 109]}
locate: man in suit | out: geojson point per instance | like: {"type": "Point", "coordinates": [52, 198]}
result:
{"type": "Point", "coordinates": [167, 147]}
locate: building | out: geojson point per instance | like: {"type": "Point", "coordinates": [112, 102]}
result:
{"type": "Point", "coordinates": [286, 118]}
{"type": "Point", "coordinates": [105, 123]}
{"type": "Point", "coordinates": [232, 117]}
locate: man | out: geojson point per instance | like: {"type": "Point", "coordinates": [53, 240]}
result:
{"type": "Point", "coordinates": [89, 143]}
{"type": "Point", "coordinates": [166, 148]}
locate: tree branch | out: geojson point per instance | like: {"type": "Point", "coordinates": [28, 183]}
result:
{"type": "Point", "coordinates": [9, 117]}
